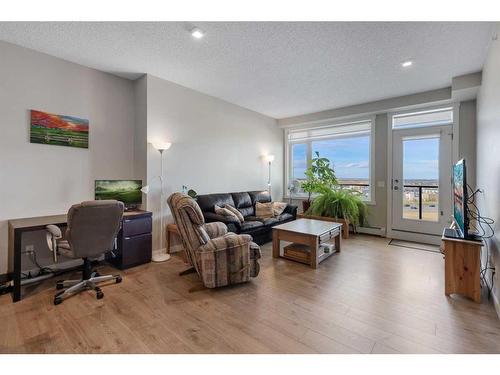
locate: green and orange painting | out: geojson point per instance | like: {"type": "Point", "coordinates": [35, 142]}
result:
{"type": "Point", "coordinates": [60, 130]}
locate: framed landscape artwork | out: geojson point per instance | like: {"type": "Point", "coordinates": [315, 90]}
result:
{"type": "Point", "coordinates": [60, 130]}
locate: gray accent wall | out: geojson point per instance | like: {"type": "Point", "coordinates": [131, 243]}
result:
{"type": "Point", "coordinates": [37, 179]}
{"type": "Point", "coordinates": [488, 155]}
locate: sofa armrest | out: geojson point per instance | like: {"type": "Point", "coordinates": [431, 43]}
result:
{"type": "Point", "coordinates": [211, 217]}
{"type": "Point", "coordinates": [291, 209]}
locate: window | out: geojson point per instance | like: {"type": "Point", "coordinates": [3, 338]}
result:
{"type": "Point", "coordinates": [348, 146]}
{"type": "Point", "coordinates": [441, 116]}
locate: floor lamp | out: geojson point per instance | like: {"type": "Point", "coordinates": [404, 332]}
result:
{"type": "Point", "coordinates": [269, 159]}
{"type": "Point", "coordinates": [161, 255]}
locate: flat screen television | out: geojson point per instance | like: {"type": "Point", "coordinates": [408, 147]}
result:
{"type": "Point", "coordinates": [460, 215]}
{"type": "Point", "coordinates": [126, 191]}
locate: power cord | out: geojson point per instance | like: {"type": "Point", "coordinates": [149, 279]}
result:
{"type": "Point", "coordinates": [42, 270]}
{"type": "Point", "coordinates": [483, 233]}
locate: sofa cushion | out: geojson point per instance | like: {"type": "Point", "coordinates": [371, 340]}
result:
{"type": "Point", "coordinates": [243, 203]}
{"type": "Point", "coordinates": [250, 225]}
{"type": "Point", "coordinates": [264, 210]}
{"type": "Point", "coordinates": [270, 221]}
{"type": "Point", "coordinates": [232, 227]}
{"type": "Point", "coordinates": [235, 212]}
{"type": "Point", "coordinates": [225, 212]}
{"type": "Point", "coordinates": [242, 200]}
{"type": "Point", "coordinates": [260, 196]}
{"type": "Point", "coordinates": [207, 202]}
{"type": "Point", "coordinates": [247, 211]}
{"type": "Point", "coordinates": [278, 208]}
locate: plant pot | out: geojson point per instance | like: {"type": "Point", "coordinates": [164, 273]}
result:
{"type": "Point", "coordinates": [306, 205]}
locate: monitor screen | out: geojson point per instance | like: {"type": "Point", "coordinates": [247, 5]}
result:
{"type": "Point", "coordinates": [126, 191]}
{"type": "Point", "coordinates": [460, 198]}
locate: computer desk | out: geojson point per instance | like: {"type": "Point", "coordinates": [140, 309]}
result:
{"type": "Point", "coordinates": [136, 241]}
{"type": "Point", "coordinates": [16, 229]}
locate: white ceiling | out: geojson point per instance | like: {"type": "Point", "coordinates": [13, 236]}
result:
{"type": "Point", "coordinates": [280, 69]}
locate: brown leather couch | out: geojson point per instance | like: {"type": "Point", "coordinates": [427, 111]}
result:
{"type": "Point", "coordinates": [260, 230]}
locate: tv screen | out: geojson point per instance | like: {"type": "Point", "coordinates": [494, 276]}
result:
{"type": "Point", "coordinates": [460, 198]}
{"type": "Point", "coordinates": [126, 191]}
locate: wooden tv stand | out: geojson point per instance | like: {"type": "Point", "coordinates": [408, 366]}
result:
{"type": "Point", "coordinates": [462, 266]}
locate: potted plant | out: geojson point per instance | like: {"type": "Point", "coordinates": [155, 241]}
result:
{"type": "Point", "coordinates": [343, 204]}
{"type": "Point", "coordinates": [320, 177]}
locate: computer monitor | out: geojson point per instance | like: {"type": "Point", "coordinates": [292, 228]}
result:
{"type": "Point", "coordinates": [126, 191]}
{"type": "Point", "coordinates": [460, 214]}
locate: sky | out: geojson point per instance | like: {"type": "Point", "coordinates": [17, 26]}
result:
{"type": "Point", "coordinates": [350, 157]}
{"type": "Point", "coordinates": [421, 159]}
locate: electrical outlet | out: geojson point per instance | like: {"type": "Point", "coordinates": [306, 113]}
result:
{"type": "Point", "coordinates": [29, 249]}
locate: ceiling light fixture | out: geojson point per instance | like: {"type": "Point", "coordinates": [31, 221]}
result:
{"type": "Point", "coordinates": [197, 33]}
{"type": "Point", "coordinates": [406, 64]}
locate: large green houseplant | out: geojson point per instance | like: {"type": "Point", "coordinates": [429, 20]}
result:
{"type": "Point", "coordinates": [332, 201]}
{"type": "Point", "coordinates": [320, 177]}
{"type": "Point", "coordinates": [339, 203]}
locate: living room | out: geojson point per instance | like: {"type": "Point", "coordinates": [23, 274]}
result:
{"type": "Point", "coordinates": [181, 187]}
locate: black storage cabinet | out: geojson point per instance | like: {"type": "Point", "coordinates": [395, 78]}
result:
{"type": "Point", "coordinates": [134, 241]}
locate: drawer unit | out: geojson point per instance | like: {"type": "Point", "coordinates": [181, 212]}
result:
{"type": "Point", "coordinates": [135, 226]}
{"type": "Point", "coordinates": [134, 241]}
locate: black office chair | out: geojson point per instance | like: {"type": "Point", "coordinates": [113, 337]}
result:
{"type": "Point", "coordinates": [91, 232]}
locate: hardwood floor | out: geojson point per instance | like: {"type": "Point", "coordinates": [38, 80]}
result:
{"type": "Point", "coordinates": [371, 298]}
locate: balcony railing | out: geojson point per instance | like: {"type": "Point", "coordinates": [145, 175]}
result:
{"type": "Point", "coordinates": [420, 199]}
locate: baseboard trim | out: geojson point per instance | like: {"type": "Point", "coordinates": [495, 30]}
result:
{"type": "Point", "coordinates": [375, 231]}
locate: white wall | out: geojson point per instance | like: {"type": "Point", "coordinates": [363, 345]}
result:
{"type": "Point", "coordinates": [216, 146]}
{"type": "Point", "coordinates": [488, 153]}
{"type": "Point", "coordinates": [40, 179]}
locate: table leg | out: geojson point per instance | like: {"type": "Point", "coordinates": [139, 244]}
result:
{"type": "Point", "coordinates": [16, 293]}
{"type": "Point", "coordinates": [276, 244]}
{"type": "Point", "coordinates": [338, 241]}
{"type": "Point", "coordinates": [314, 251]}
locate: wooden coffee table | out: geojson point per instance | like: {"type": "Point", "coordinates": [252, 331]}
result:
{"type": "Point", "coordinates": [308, 232]}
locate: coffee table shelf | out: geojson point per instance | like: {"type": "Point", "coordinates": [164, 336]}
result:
{"type": "Point", "coordinates": [306, 234]}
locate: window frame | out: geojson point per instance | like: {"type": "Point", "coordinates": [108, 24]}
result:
{"type": "Point", "coordinates": [327, 124]}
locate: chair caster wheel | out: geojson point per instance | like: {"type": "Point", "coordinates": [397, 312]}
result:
{"type": "Point", "coordinates": [118, 279]}
{"type": "Point", "coordinates": [59, 285]}
{"type": "Point", "coordinates": [57, 300]}
{"type": "Point", "coordinates": [99, 295]}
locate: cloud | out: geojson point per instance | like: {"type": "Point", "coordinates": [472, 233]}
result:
{"type": "Point", "coordinates": [362, 164]}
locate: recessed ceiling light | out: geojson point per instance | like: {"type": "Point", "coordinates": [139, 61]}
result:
{"type": "Point", "coordinates": [406, 64]}
{"type": "Point", "coordinates": [197, 33]}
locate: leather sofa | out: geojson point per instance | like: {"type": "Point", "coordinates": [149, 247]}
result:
{"type": "Point", "coordinates": [259, 229]}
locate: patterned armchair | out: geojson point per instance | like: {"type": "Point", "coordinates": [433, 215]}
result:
{"type": "Point", "coordinates": [219, 257]}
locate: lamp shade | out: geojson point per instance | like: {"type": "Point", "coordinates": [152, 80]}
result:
{"type": "Point", "coordinates": [162, 146]}
{"type": "Point", "coordinates": [269, 158]}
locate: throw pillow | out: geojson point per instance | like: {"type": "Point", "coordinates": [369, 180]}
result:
{"type": "Point", "coordinates": [224, 212]}
{"type": "Point", "coordinates": [235, 211]}
{"type": "Point", "coordinates": [264, 210]}
{"type": "Point", "coordinates": [278, 208]}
